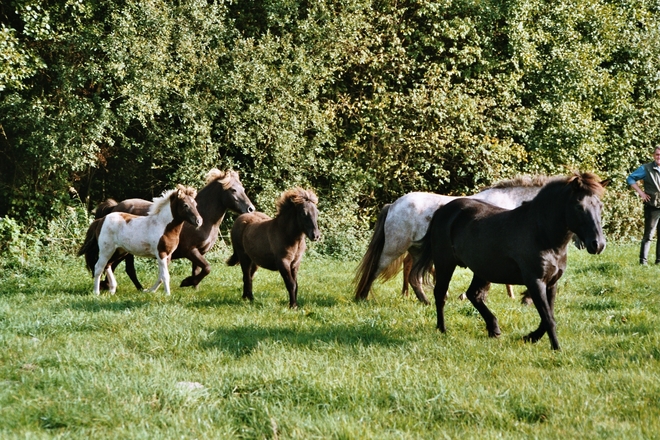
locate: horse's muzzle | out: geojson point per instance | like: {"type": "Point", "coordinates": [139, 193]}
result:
{"type": "Point", "coordinates": [596, 246]}
{"type": "Point", "coordinates": [313, 235]}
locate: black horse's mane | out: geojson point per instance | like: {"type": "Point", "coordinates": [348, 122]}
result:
{"type": "Point", "coordinates": [588, 183]}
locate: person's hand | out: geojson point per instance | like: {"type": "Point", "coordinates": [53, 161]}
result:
{"type": "Point", "coordinates": [645, 197]}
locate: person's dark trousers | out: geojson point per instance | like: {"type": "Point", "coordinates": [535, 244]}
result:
{"type": "Point", "coordinates": [651, 220]}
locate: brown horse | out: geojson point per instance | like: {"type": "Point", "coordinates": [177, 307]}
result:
{"type": "Point", "coordinates": [223, 191]}
{"type": "Point", "coordinates": [526, 245]}
{"type": "Point", "coordinates": [276, 244]}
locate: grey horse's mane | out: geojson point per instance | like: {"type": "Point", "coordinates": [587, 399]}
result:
{"type": "Point", "coordinates": [526, 181]}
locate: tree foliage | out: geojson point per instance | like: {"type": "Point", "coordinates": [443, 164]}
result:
{"type": "Point", "coordinates": [362, 100]}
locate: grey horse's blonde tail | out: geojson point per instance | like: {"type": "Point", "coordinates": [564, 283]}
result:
{"type": "Point", "coordinates": [423, 267]}
{"type": "Point", "coordinates": [366, 271]}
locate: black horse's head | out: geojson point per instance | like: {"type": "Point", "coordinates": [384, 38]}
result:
{"type": "Point", "coordinates": [233, 195]}
{"type": "Point", "coordinates": [583, 214]}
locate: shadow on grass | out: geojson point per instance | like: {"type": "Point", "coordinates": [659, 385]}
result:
{"type": "Point", "coordinates": [93, 304]}
{"type": "Point", "coordinates": [240, 341]}
{"type": "Point", "coordinates": [237, 300]}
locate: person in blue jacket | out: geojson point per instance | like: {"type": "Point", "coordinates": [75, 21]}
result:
{"type": "Point", "coordinates": [649, 173]}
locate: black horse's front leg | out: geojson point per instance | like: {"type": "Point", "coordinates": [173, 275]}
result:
{"type": "Point", "coordinates": [543, 298]}
{"type": "Point", "coordinates": [477, 293]}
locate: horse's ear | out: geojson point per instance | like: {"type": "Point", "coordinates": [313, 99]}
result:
{"type": "Point", "coordinates": [605, 182]}
{"type": "Point", "coordinates": [180, 191]}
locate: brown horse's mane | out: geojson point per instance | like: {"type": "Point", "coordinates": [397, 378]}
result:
{"type": "Point", "coordinates": [164, 200]}
{"type": "Point", "coordinates": [224, 178]}
{"type": "Point", "coordinates": [295, 196]}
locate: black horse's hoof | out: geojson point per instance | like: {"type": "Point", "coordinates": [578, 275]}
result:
{"type": "Point", "coordinates": [530, 338]}
{"type": "Point", "coordinates": [494, 333]}
{"type": "Point", "coordinates": [187, 282]}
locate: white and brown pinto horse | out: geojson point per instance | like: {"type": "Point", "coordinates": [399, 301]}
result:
{"type": "Point", "coordinates": [223, 191]}
{"type": "Point", "coordinates": [155, 235]}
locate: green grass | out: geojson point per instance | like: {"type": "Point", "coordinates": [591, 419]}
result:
{"type": "Point", "coordinates": [206, 364]}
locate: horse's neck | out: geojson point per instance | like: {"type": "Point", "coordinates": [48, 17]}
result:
{"type": "Point", "coordinates": [163, 217]}
{"type": "Point", "coordinates": [210, 207]}
{"type": "Point", "coordinates": [287, 223]}
{"type": "Point", "coordinates": [551, 222]}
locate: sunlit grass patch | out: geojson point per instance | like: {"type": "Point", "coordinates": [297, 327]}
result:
{"type": "Point", "coordinates": [207, 364]}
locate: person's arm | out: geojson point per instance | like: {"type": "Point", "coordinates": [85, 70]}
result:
{"type": "Point", "coordinates": [645, 197]}
{"type": "Point", "coordinates": [633, 178]}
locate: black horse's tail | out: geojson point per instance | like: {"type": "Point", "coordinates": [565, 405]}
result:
{"type": "Point", "coordinates": [366, 271]}
{"type": "Point", "coordinates": [104, 208]}
{"type": "Point", "coordinates": [90, 248]}
{"type": "Point", "coordinates": [233, 260]}
{"type": "Point", "coordinates": [422, 268]}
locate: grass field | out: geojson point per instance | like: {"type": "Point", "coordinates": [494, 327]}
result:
{"type": "Point", "coordinates": [205, 364]}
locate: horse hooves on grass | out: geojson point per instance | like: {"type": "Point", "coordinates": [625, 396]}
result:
{"type": "Point", "coordinates": [526, 300]}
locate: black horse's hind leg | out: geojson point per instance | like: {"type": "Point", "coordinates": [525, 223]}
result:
{"type": "Point", "coordinates": [544, 299]}
{"type": "Point", "coordinates": [130, 270]}
{"type": "Point", "coordinates": [442, 279]}
{"type": "Point", "coordinates": [416, 284]}
{"type": "Point", "coordinates": [200, 269]}
{"type": "Point", "coordinates": [477, 293]}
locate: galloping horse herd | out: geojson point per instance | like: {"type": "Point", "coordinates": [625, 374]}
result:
{"type": "Point", "coordinates": [516, 232]}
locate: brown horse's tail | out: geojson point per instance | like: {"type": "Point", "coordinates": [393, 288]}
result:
{"type": "Point", "coordinates": [366, 271]}
{"type": "Point", "coordinates": [90, 248]}
{"type": "Point", "coordinates": [423, 267]}
{"type": "Point", "coordinates": [104, 208]}
{"type": "Point", "coordinates": [233, 260]}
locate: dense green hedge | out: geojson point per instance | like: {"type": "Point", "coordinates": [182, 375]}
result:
{"type": "Point", "coordinates": [361, 100]}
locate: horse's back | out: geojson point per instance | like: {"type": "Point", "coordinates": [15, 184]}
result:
{"type": "Point", "coordinates": [135, 234]}
{"type": "Point", "coordinates": [249, 226]}
{"type": "Point", "coordinates": [409, 216]}
{"type": "Point", "coordinates": [133, 206]}
{"type": "Point", "coordinates": [480, 236]}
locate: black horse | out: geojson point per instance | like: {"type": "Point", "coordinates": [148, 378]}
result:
{"type": "Point", "coordinates": [526, 245]}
